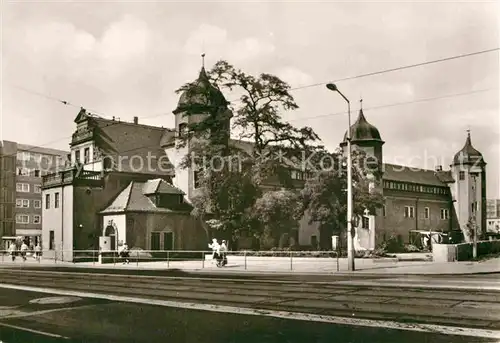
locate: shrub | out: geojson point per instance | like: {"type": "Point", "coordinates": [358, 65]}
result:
{"type": "Point", "coordinates": [411, 248]}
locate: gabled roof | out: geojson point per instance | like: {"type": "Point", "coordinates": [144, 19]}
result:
{"type": "Point", "coordinates": [133, 147]}
{"type": "Point", "coordinates": [134, 198]}
{"type": "Point", "coordinates": [394, 172]}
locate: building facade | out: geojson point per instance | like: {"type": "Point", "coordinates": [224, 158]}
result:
{"type": "Point", "coordinates": [420, 200]}
{"type": "Point", "coordinates": [105, 196]}
{"type": "Point", "coordinates": [109, 159]}
{"type": "Point", "coordinates": [22, 169]}
{"type": "Point", "coordinates": [493, 215]}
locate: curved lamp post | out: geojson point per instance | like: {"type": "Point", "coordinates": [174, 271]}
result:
{"type": "Point", "coordinates": [350, 230]}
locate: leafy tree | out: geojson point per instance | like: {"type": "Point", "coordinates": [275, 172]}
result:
{"type": "Point", "coordinates": [231, 193]}
{"type": "Point", "coordinates": [278, 212]}
{"type": "Point", "coordinates": [226, 188]}
{"type": "Point", "coordinates": [325, 194]}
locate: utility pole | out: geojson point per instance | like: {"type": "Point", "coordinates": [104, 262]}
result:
{"type": "Point", "coordinates": [350, 230]}
{"type": "Point", "coordinates": [474, 218]}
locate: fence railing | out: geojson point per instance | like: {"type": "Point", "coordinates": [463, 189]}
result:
{"type": "Point", "coordinates": [189, 259]}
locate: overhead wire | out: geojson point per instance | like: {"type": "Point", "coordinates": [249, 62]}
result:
{"type": "Point", "coordinates": [309, 86]}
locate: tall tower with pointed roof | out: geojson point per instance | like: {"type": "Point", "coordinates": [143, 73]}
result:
{"type": "Point", "coordinates": [469, 190]}
{"type": "Point", "coordinates": [200, 101]}
{"type": "Point", "coordinates": [366, 137]}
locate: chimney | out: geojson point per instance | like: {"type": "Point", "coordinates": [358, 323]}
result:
{"type": "Point", "coordinates": [136, 120]}
{"type": "Point", "coordinates": [113, 118]}
{"type": "Point", "coordinates": [439, 168]}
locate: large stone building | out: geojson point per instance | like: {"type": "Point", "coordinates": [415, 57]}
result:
{"type": "Point", "coordinates": [421, 199]}
{"type": "Point", "coordinates": [126, 184]}
{"type": "Point", "coordinates": [21, 169]}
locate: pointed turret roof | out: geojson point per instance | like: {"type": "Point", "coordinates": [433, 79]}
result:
{"type": "Point", "coordinates": [201, 93]}
{"type": "Point", "coordinates": [362, 130]}
{"type": "Point", "coordinates": [468, 154]}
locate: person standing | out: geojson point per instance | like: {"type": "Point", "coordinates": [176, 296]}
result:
{"type": "Point", "coordinates": [38, 252]}
{"type": "Point", "coordinates": [223, 252]}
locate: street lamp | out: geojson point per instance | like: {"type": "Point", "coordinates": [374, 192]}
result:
{"type": "Point", "coordinates": [350, 231]}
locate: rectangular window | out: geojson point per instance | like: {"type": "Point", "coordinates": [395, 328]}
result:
{"type": "Point", "coordinates": [36, 219]}
{"type": "Point", "coordinates": [56, 200]}
{"type": "Point", "coordinates": [22, 171]}
{"type": "Point", "coordinates": [77, 156]}
{"type": "Point", "coordinates": [409, 212]}
{"type": "Point", "coordinates": [37, 173]}
{"type": "Point", "coordinates": [197, 179]}
{"type": "Point", "coordinates": [155, 241]}
{"type": "Point", "coordinates": [365, 223]}
{"type": "Point", "coordinates": [182, 129]}
{"type": "Point", "coordinates": [22, 187]}
{"type": "Point", "coordinates": [47, 201]}
{"type": "Point", "coordinates": [26, 203]}
{"type": "Point", "coordinates": [427, 213]}
{"type": "Point", "coordinates": [86, 155]}
{"type": "Point", "coordinates": [37, 188]}
{"type": "Point", "coordinates": [22, 219]}
{"type": "Point", "coordinates": [384, 210]}
{"type": "Point", "coordinates": [445, 214]}
{"type": "Point", "coordinates": [168, 241]}
{"type": "Point", "coordinates": [461, 175]}
{"type": "Point", "coordinates": [51, 240]}
{"type": "Point", "coordinates": [37, 203]}
{"type": "Point", "coordinates": [19, 203]}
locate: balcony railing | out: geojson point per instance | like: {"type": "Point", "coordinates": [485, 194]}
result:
{"type": "Point", "coordinates": [71, 176]}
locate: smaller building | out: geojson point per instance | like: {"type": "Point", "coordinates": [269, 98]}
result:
{"type": "Point", "coordinates": [22, 167]}
{"type": "Point", "coordinates": [493, 216]}
{"type": "Point", "coordinates": [153, 216]}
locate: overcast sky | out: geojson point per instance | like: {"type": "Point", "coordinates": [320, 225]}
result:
{"type": "Point", "coordinates": [126, 59]}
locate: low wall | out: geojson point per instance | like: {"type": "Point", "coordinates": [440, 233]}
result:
{"type": "Point", "coordinates": [463, 251]}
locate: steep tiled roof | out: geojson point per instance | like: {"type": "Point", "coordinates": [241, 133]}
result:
{"type": "Point", "coordinates": [134, 198]}
{"type": "Point", "coordinates": [121, 201]}
{"type": "Point", "coordinates": [401, 173]}
{"type": "Point", "coordinates": [133, 147]}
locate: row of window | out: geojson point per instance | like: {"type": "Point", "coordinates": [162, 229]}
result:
{"type": "Point", "coordinates": [25, 219]}
{"type": "Point", "coordinates": [410, 187]}
{"type": "Point", "coordinates": [25, 203]}
{"type": "Point", "coordinates": [25, 188]}
{"type": "Point", "coordinates": [409, 212]}
{"type": "Point", "coordinates": [28, 172]}
{"type": "Point", "coordinates": [294, 174]}
{"type": "Point", "coordinates": [86, 156]}
{"type": "Point", "coordinates": [56, 200]}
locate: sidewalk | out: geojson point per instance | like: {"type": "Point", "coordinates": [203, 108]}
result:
{"type": "Point", "coordinates": [269, 265]}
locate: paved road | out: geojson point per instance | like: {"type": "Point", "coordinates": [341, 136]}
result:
{"type": "Point", "coordinates": [91, 320]}
{"type": "Point", "coordinates": [188, 309]}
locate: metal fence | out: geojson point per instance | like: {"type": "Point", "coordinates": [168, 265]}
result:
{"type": "Point", "coordinates": [185, 259]}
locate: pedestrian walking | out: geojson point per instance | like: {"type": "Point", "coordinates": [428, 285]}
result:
{"type": "Point", "coordinates": [12, 251]}
{"type": "Point", "coordinates": [24, 251]}
{"type": "Point", "coordinates": [215, 246]}
{"type": "Point", "coordinates": [38, 252]}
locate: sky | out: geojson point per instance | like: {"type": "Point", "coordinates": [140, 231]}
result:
{"type": "Point", "coordinates": [126, 59]}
